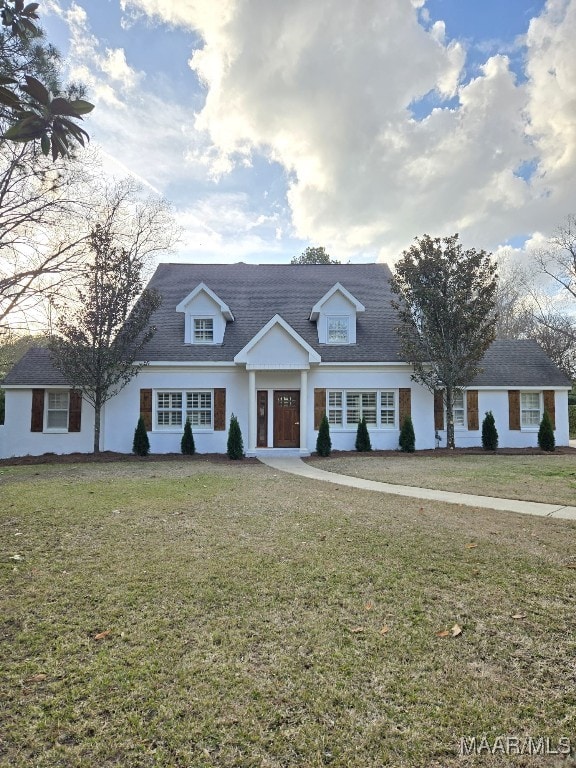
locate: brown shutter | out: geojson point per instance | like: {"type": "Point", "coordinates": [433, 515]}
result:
{"type": "Point", "coordinates": [550, 405]}
{"type": "Point", "coordinates": [513, 409]}
{"type": "Point", "coordinates": [37, 419]}
{"type": "Point", "coordinates": [404, 404]}
{"type": "Point", "coordinates": [319, 406]}
{"type": "Point", "coordinates": [75, 411]}
{"type": "Point", "coordinates": [146, 408]}
{"type": "Point", "coordinates": [472, 408]}
{"type": "Point", "coordinates": [219, 410]}
{"type": "Point", "coordinates": [439, 409]}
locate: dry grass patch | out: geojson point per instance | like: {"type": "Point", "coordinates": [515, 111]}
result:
{"type": "Point", "coordinates": [176, 615]}
{"type": "Point", "coordinates": [547, 478]}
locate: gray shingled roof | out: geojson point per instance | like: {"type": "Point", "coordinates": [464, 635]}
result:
{"type": "Point", "coordinates": [255, 293]}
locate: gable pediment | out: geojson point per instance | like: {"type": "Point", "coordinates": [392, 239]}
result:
{"type": "Point", "coordinates": [277, 346]}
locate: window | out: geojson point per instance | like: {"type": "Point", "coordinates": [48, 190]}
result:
{"type": "Point", "coordinates": [203, 330]}
{"type": "Point", "coordinates": [173, 408]}
{"type": "Point", "coordinates": [337, 330]}
{"type": "Point", "coordinates": [458, 409]}
{"type": "Point", "coordinates": [199, 409]}
{"type": "Point", "coordinates": [346, 408]}
{"type": "Point", "coordinates": [57, 410]}
{"type": "Point", "coordinates": [530, 414]}
{"type": "Point", "coordinates": [387, 409]}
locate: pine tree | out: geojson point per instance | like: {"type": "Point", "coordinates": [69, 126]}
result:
{"type": "Point", "coordinates": [362, 436]}
{"type": "Point", "coordinates": [187, 443]}
{"type": "Point", "coordinates": [141, 444]}
{"type": "Point", "coordinates": [235, 446]}
{"type": "Point", "coordinates": [546, 439]}
{"type": "Point", "coordinates": [489, 432]}
{"type": "Point", "coordinates": [407, 439]}
{"type": "Point", "coordinates": [323, 441]}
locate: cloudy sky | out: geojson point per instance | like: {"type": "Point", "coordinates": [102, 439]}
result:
{"type": "Point", "coordinates": [352, 124]}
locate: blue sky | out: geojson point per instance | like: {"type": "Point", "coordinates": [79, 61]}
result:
{"type": "Point", "coordinates": [351, 124]}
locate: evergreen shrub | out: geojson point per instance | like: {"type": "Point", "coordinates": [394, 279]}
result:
{"type": "Point", "coordinates": [323, 441]}
{"type": "Point", "coordinates": [362, 436]}
{"type": "Point", "coordinates": [187, 443]}
{"type": "Point", "coordinates": [235, 445]}
{"type": "Point", "coordinates": [546, 439]}
{"type": "Point", "coordinates": [407, 439]}
{"type": "Point", "coordinates": [489, 432]}
{"type": "Point", "coordinates": [141, 444]}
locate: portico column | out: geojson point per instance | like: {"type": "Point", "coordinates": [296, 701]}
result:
{"type": "Point", "coordinates": [304, 410]}
{"type": "Point", "coordinates": [251, 411]}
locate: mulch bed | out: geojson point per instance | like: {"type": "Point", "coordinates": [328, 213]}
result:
{"type": "Point", "coordinates": [110, 456]}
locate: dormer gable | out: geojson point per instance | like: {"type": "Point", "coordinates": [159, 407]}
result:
{"type": "Point", "coordinates": [205, 316]}
{"type": "Point", "coordinates": [335, 315]}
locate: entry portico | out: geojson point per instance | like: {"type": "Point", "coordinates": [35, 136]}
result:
{"type": "Point", "coordinates": [277, 360]}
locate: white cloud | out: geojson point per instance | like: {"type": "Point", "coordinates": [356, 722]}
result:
{"type": "Point", "coordinates": [326, 88]}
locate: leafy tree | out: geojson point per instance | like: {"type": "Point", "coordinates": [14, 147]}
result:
{"type": "Point", "coordinates": [363, 436]}
{"type": "Point", "coordinates": [314, 255]}
{"type": "Point", "coordinates": [407, 438]}
{"type": "Point", "coordinates": [141, 443]}
{"type": "Point", "coordinates": [187, 443]}
{"type": "Point", "coordinates": [33, 110]}
{"type": "Point", "coordinates": [489, 432]}
{"type": "Point", "coordinates": [323, 441]}
{"type": "Point", "coordinates": [97, 343]}
{"type": "Point", "coordinates": [446, 307]}
{"type": "Point", "coordinates": [546, 439]}
{"type": "Point", "coordinates": [235, 445]}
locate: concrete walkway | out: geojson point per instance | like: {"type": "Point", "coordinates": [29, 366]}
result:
{"type": "Point", "coordinates": [296, 466]}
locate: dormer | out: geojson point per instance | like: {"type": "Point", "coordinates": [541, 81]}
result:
{"type": "Point", "coordinates": [206, 316]}
{"type": "Point", "coordinates": [335, 316]}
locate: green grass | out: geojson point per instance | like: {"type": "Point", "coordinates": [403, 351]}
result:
{"type": "Point", "coordinates": [232, 596]}
{"type": "Point", "coordinates": [545, 478]}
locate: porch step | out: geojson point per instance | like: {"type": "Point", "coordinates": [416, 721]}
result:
{"type": "Point", "coordinates": [279, 453]}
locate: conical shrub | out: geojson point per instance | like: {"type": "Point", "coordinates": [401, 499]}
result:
{"type": "Point", "coordinates": [407, 439]}
{"type": "Point", "coordinates": [489, 432]}
{"type": "Point", "coordinates": [362, 436]}
{"type": "Point", "coordinates": [323, 441]}
{"type": "Point", "coordinates": [546, 439]}
{"type": "Point", "coordinates": [235, 446]}
{"type": "Point", "coordinates": [141, 444]}
{"type": "Point", "coordinates": [187, 443]}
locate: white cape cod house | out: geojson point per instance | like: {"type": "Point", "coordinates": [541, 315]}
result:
{"type": "Point", "coordinates": [279, 345]}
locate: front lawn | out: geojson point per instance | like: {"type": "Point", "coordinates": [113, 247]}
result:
{"type": "Point", "coordinates": [186, 614]}
{"type": "Point", "coordinates": [548, 478]}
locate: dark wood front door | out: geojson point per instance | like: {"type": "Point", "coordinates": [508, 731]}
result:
{"type": "Point", "coordinates": [262, 419]}
{"type": "Point", "coordinates": [286, 419]}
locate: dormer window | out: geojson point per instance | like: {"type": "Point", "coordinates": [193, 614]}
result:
{"type": "Point", "coordinates": [337, 329]}
{"type": "Point", "coordinates": [203, 330]}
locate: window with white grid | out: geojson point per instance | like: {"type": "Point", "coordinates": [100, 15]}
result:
{"type": "Point", "coordinates": [387, 409]}
{"type": "Point", "coordinates": [335, 408]}
{"type": "Point", "coordinates": [458, 409]}
{"type": "Point", "coordinates": [199, 409]}
{"type": "Point", "coordinates": [203, 330]}
{"type": "Point", "coordinates": [57, 410]}
{"type": "Point", "coordinates": [346, 408]}
{"type": "Point", "coordinates": [337, 329]}
{"type": "Point", "coordinates": [530, 414]}
{"type": "Point", "coordinates": [169, 409]}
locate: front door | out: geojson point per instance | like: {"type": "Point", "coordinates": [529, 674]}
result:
{"type": "Point", "coordinates": [286, 419]}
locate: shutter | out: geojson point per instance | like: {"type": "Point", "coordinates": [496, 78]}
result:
{"type": "Point", "coordinates": [219, 410]}
{"type": "Point", "coordinates": [75, 411]}
{"type": "Point", "coordinates": [146, 408]}
{"type": "Point", "coordinates": [37, 417]}
{"type": "Point", "coordinates": [319, 406]}
{"type": "Point", "coordinates": [439, 409]}
{"type": "Point", "coordinates": [404, 404]}
{"type": "Point", "coordinates": [513, 409]}
{"type": "Point", "coordinates": [550, 405]}
{"type": "Point", "coordinates": [472, 408]}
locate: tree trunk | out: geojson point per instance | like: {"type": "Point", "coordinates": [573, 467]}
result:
{"type": "Point", "coordinates": [97, 419]}
{"type": "Point", "coordinates": [450, 418]}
